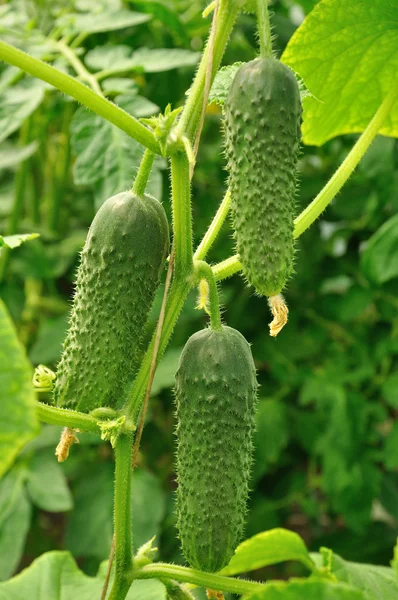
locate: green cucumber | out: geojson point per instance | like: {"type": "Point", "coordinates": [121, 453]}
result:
{"type": "Point", "coordinates": [262, 138]}
{"type": "Point", "coordinates": [121, 263]}
{"type": "Point", "coordinates": [215, 399]}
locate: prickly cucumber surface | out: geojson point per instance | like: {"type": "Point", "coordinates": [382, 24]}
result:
{"type": "Point", "coordinates": [119, 272]}
{"type": "Point", "coordinates": [262, 137]}
{"type": "Point", "coordinates": [215, 398]}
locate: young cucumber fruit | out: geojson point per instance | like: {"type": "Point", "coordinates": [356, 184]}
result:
{"type": "Point", "coordinates": [121, 262]}
{"type": "Point", "coordinates": [262, 130]}
{"type": "Point", "coordinates": [215, 397]}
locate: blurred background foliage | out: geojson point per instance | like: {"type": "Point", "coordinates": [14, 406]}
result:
{"type": "Point", "coordinates": [326, 455]}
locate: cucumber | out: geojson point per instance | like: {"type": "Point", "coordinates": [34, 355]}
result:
{"type": "Point", "coordinates": [215, 399]}
{"type": "Point", "coordinates": [121, 263]}
{"type": "Point", "coordinates": [262, 138]}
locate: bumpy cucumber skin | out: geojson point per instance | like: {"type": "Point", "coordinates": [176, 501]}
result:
{"type": "Point", "coordinates": [215, 398]}
{"type": "Point", "coordinates": [262, 131]}
{"type": "Point", "coordinates": [121, 262]}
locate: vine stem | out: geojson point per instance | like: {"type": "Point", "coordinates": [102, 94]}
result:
{"type": "Point", "coordinates": [204, 271]}
{"type": "Point", "coordinates": [66, 418]}
{"type": "Point", "coordinates": [214, 229]}
{"type": "Point", "coordinates": [334, 185]}
{"type": "Point", "coordinates": [264, 29]}
{"type": "Point", "coordinates": [232, 265]}
{"type": "Point", "coordinates": [122, 518]}
{"type": "Point", "coordinates": [79, 67]}
{"type": "Point", "coordinates": [77, 90]}
{"type": "Point", "coordinates": [190, 116]}
{"type": "Point", "coordinates": [181, 203]}
{"type": "Point", "coordinates": [200, 578]}
{"type": "Point", "coordinates": [143, 174]}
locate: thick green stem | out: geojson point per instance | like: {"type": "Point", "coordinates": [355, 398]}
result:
{"type": "Point", "coordinates": [190, 116]}
{"type": "Point", "coordinates": [79, 67]}
{"type": "Point", "coordinates": [177, 296]}
{"type": "Point", "coordinates": [227, 267]}
{"type": "Point", "coordinates": [200, 578]}
{"type": "Point", "coordinates": [101, 106]}
{"type": "Point", "coordinates": [143, 174]}
{"type": "Point", "coordinates": [122, 518]}
{"type": "Point", "coordinates": [214, 229]}
{"type": "Point", "coordinates": [182, 226]}
{"type": "Point", "coordinates": [204, 271]}
{"type": "Point", "coordinates": [264, 29]}
{"type": "Point", "coordinates": [334, 185]}
{"type": "Point", "coordinates": [66, 418]}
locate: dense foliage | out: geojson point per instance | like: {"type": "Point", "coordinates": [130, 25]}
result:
{"type": "Point", "coordinates": [326, 445]}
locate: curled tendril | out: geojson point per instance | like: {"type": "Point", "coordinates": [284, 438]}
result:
{"type": "Point", "coordinates": [43, 379]}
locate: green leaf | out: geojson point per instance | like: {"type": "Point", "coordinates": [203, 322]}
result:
{"type": "Point", "coordinates": [160, 10]}
{"type": "Point", "coordinates": [13, 241]}
{"type": "Point", "coordinates": [18, 423]}
{"type": "Point", "coordinates": [121, 58]}
{"type": "Point", "coordinates": [55, 576]}
{"type": "Point", "coordinates": [379, 260]}
{"type": "Point", "coordinates": [346, 54]}
{"type": "Point", "coordinates": [268, 548]}
{"type": "Point", "coordinates": [11, 155]}
{"type": "Point", "coordinates": [15, 513]}
{"type": "Point", "coordinates": [94, 510]}
{"type": "Point", "coordinates": [17, 104]}
{"type": "Point", "coordinates": [163, 59]}
{"type": "Point", "coordinates": [390, 390]}
{"type": "Point", "coordinates": [271, 435]}
{"type": "Point", "coordinates": [300, 589]}
{"type": "Point", "coordinates": [101, 22]}
{"type": "Point", "coordinates": [391, 448]}
{"type": "Point", "coordinates": [222, 82]}
{"type": "Point", "coordinates": [107, 158]}
{"type": "Point", "coordinates": [375, 582]}
{"type": "Point", "coordinates": [46, 483]}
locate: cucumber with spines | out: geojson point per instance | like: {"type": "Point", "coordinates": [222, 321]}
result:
{"type": "Point", "coordinates": [215, 399]}
{"type": "Point", "coordinates": [262, 137]}
{"type": "Point", "coordinates": [121, 263]}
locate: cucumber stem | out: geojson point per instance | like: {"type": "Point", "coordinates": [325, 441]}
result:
{"type": "Point", "coordinates": [66, 418]}
{"type": "Point", "coordinates": [77, 90]}
{"type": "Point", "coordinates": [181, 203]}
{"type": "Point", "coordinates": [334, 185]}
{"type": "Point", "coordinates": [190, 116]}
{"type": "Point", "coordinates": [264, 29]}
{"type": "Point", "coordinates": [204, 271]}
{"type": "Point", "coordinates": [143, 174]}
{"type": "Point", "coordinates": [122, 518]}
{"type": "Point", "coordinates": [214, 229]}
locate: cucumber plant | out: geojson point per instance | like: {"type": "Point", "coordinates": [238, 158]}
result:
{"type": "Point", "coordinates": [101, 385]}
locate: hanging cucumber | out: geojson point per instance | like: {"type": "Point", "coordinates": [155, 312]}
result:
{"type": "Point", "coordinates": [262, 131]}
{"type": "Point", "coordinates": [215, 397]}
{"type": "Point", "coordinates": [119, 272]}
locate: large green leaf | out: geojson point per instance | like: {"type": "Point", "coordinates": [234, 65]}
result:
{"type": "Point", "coordinates": [14, 241]}
{"type": "Point", "coordinates": [46, 483]}
{"type": "Point", "coordinates": [376, 583]}
{"type": "Point", "coordinates": [379, 260]}
{"type": "Point", "coordinates": [17, 104]}
{"type": "Point", "coordinates": [94, 511]}
{"type": "Point", "coordinates": [55, 576]}
{"type": "Point", "coordinates": [151, 60]}
{"type": "Point", "coordinates": [346, 54]}
{"type": "Point", "coordinates": [313, 589]}
{"type": "Point", "coordinates": [268, 548]}
{"type": "Point", "coordinates": [103, 21]}
{"type": "Point", "coordinates": [107, 157]}
{"type": "Point", "coordinates": [18, 423]}
{"type": "Point", "coordinates": [11, 155]}
{"type": "Point", "coordinates": [15, 512]}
